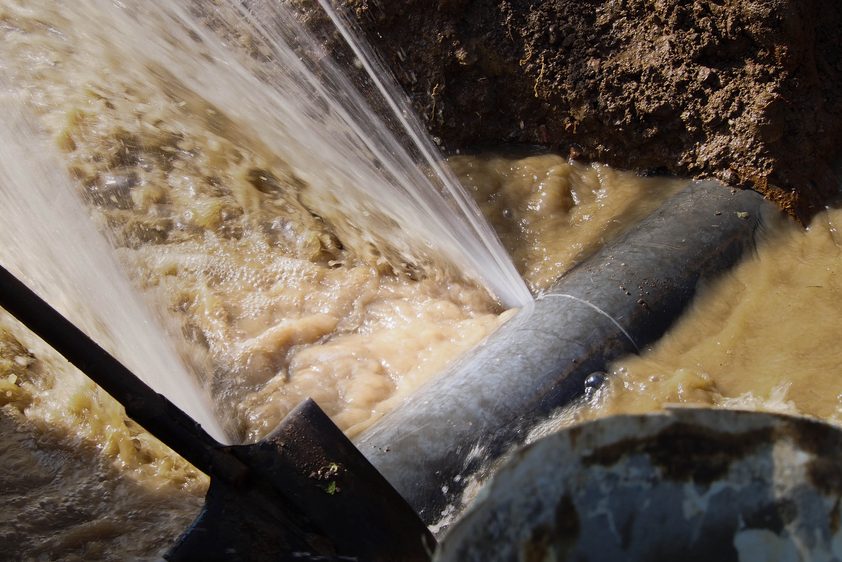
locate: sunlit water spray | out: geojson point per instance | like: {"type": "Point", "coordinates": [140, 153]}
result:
{"type": "Point", "coordinates": [251, 73]}
{"type": "Point", "coordinates": [48, 239]}
{"type": "Point", "coordinates": [382, 194]}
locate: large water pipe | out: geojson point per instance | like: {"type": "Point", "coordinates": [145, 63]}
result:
{"type": "Point", "coordinates": [620, 300]}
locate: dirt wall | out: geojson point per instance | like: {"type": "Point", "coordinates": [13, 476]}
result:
{"type": "Point", "coordinates": [747, 91]}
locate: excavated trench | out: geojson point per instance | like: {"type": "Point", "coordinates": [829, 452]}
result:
{"type": "Point", "coordinates": [743, 92]}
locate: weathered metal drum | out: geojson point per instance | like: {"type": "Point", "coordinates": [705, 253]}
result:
{"type": "Point", "coordinates": [685, 485]}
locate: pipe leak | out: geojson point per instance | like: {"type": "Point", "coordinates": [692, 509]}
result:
{"type": "Point", "coordinates": [620, 300]}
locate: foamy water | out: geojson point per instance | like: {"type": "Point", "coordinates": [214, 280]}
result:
{"type": "Point", "coordinates": [264, 88]}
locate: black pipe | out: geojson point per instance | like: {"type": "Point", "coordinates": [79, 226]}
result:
{"type": "Point", "coordinates": [621, 299]}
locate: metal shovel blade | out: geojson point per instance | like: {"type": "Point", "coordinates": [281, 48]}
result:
{"type": "Point", "coordinates": [305, 476]}
{"type": "Point", "coordinates": [303, 493]}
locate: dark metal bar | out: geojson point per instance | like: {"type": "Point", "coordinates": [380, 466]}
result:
{"type": "Point", "coordinates": [151, 410]}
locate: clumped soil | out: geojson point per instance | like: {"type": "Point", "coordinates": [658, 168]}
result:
{"type": "Point", "coordinates": [746, 91]}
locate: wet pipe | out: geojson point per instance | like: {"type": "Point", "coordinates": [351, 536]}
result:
{"type": "Point", "coordinates": [620, 300]}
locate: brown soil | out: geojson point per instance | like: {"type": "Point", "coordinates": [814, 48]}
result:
{"type": "Point", "coordinates": [747, 91]}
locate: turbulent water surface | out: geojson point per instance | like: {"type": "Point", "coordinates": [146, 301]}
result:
{"type": "Point", "coordinates": [272, 299]}
{"type": "Point", "coordinates": [766, 336]}
{"type": "Point", "coordinates": [763, 337]}
{"type": "Point", "coordinates": [269, 298]}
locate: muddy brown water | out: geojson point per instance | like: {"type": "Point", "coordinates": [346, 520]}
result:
{"type": "Point", "coordinates": [766, 336]}
{"type": "Point", "coordinates": [763, 337]}
{"type": "Point", "coordinates": [78, 480]}
{"type": "Point", "coordinates": [278, 308]}
{"type": "Point", "coordinates": [413, 334]}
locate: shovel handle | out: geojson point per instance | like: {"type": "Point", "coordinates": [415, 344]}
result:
{"type": "Point", "coordinates": [154, 412]}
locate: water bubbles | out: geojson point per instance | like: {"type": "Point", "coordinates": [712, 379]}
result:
{"type": "Point", "coordinates": [592, 383]}
{"type": "Point", "coordinates": [595, 379]}
{"type": "Point", "coordinates": [114, 190]}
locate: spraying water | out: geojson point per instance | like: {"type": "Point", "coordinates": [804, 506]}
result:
{"type": "Point", "coordinates": [356, 155]}
{"type": "Point", "coordinates": [360, 175]}
{"type": "Point", "coordinates": [48, 240]}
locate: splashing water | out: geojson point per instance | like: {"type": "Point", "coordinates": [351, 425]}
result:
{"type": "Point", "coordinates": [368, 183]}
{"type": "Point", "coordinates": [48, 240]}
{"type": "Point", "coordinates": [492, 263]}
{"type": "Point", "coordinates": [360, 158]}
